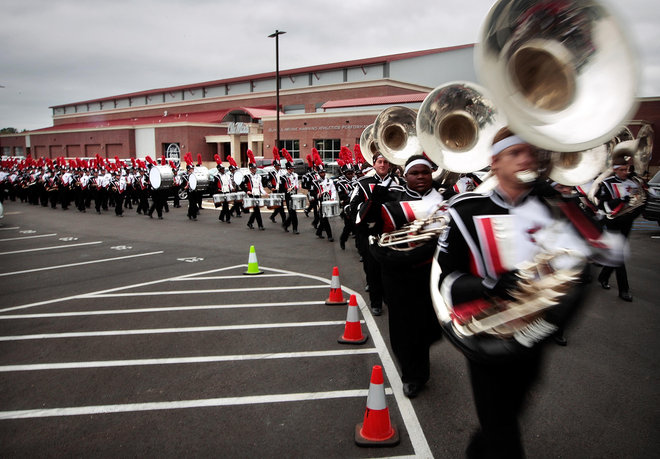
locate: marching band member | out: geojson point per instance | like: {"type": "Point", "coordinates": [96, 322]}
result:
{"type": "Point", "coordinates": [225, 185]}
{"type": "Point", "coordinates": [192, 199]}
{"type": "Point", "coordinates": [308, 181]}
{"type": "Point", "coordinates": [275, 185]}
{"type": "Point", "coordinates": [413, 325]}
{"type": "Point", "coordinates": [253, 186]}
{"type": "Point", "coordinates": [488, 236]}
{"type": "Point", "coordinates": [369, 193]}
{"type": "Point", "coordinates": [119, 186]}
{"type": "Point", "coordinates": [614, 196]}
{"type": "Point", "coordinates": [326, 192]}
{"type": "Point", "coordinates": [345, 184]}
{"type": "Point", "coordinates": [236, 185]}
{"type": "Point", "coordinates": [290, 186]}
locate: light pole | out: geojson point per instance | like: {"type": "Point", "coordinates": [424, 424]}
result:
{"type": "Point", "coordinates": [276, 35]}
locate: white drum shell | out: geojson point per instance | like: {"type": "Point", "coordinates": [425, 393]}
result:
{"type": "Point", "coordinates": [330, 209]}
{"type": "Point", "coordinates": [249, 203]}
{"type": "Point", "coordinates": [199, 179]}
{"type": "Point", "coordinates": [298, 201]}
{"type": "Point", "coordinates": [161, 177]}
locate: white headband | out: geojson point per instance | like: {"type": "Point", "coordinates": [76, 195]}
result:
{"type": "Point", "coordinates": [506, 143]}
{"type": "Point", "coordinates": [416, 162]}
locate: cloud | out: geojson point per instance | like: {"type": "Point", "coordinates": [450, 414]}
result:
{"type": "Point", "coordinates": [66, 51]}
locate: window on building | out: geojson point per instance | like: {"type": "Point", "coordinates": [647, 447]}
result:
{"type": "Point", "coordinates": [328, 148]}
{"type": "Point", "coordinates": [292, 146]}
{"type": "Point", "coordinates": [172, 152]}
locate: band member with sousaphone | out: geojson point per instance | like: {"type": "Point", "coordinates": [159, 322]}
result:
{"type": "Point", "coordinates": [621, 196]}
{"type": "Point", "coordinates": [511, 265]}
{"type": "Point", "coordinates": [370, 192]}
{"type": "Point", "coordinates": [413, 325]}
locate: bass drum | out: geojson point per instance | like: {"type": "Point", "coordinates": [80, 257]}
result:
{"type": "Point", "coordinates": [161, 177]}
{"type": "Point", "coordinates": [199, 179]}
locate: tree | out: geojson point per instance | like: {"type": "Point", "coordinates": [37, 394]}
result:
{"type": "Point", "coordinates": [8, 130]}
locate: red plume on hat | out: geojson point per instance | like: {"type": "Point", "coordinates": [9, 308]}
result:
{"type": "Point", "coordinates": [163, 161]}
{"type": "Point", "coordinates": [133, 161]}
{"type": "Point", "coordinates": [309, 161]}
{"type": "Point", "coordinates": [199, 159]}
{"type": "Point", "coordinates": [232, 162]}
{"type": "Point", "coordinates": [218, 161]}
{"type": "Point", "coordinates": [358, 154]}
{"type": "Point", "coordinates": [317, 158]}
{"type": "Point", "coordinates": [276, 154]}
{"type": "Point", "coordinates": [251, 159]}
{"type": "Point", "coordinates": [149, 160]}
{"type": "Point", "coordinates": [287, 155]}
{"type": "Point", "coordinates": [172, 165]}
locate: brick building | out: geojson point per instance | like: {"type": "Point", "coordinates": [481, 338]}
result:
{"type": "Point", "coordinates": [324, 106]}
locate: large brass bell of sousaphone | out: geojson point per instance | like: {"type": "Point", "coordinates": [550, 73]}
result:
{"type": "Point", "coordinates": [564, 73]}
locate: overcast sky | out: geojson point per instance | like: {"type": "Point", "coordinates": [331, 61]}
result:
{"type": "Point", "coordinates": [54, 52]}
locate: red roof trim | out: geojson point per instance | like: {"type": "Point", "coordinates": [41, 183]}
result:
{"type": "Point", "coordinates": [283, 73]}
{"type": "Point", "coordinates": [378, 100]}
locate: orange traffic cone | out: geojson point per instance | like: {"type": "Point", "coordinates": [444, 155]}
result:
{"type": "Point", "coordinates": [336, 295]}
{"type": "Point", "coordinates": [353, 329]}
{"type": "Point", "coordinates": [376, 430]}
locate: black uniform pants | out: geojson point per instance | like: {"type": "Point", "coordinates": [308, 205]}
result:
{"type": "Point", "coordinates": [292, 218]}
{"type": "Point", "coordinates": [255, 215]}
{"type": "Point", "coordinates": [499, 391]}
{"type": "Point", "coordinates": [225, 215]}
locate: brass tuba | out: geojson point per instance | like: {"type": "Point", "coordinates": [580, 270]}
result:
{"type": "Point", "coordinates": [550, 68]}
{"type": "Point", "coordinates": [456, 124]}
{"type": "Point", "coordinates": [368, 144]}
{"type": "Point", "coordinates": [395, 134]}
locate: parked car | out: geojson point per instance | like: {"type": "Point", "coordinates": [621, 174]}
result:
{"type": "Point", "coordinates": [652, 209]}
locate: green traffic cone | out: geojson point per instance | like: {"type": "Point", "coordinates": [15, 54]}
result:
{"type": "Point", "coordinates": [253, 266]}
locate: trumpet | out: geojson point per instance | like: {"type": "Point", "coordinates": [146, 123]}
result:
{"type": "Point", "coordinates": [419, 231]}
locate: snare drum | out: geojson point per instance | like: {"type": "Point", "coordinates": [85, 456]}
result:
{"type": "Point", "coordinates": [230, 197]}
{"type": "Point", "coordinates": [298, 201]}
{"type": "Point", "coordinates": [274, 200]}
{"type": "Point", "coordinates": [218, 199]}
{"type": "Point", "coordinates": [330, 209]}
{"type": "Point", "coordinates": [261, 201]}
{"type": "Point", "coordinates": [249, 203]}
{"type": "Point", "coordinates": [240, 195]}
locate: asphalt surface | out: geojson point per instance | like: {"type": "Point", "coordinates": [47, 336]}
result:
{"type": "Point", "coordinates": [142, 337]}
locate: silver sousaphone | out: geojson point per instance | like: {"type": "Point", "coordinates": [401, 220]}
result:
{"type": "Point", "coordinates": [565, 76]}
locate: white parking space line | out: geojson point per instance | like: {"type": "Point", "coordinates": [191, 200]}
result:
{"type": "Point", "coordinates": [163, 309]}
{"type": "Point", "coordinates": [242, 276]}
{"type": "Point", "coordinates": [47, 268]}
{"type": "Point", "coordinates": [196, 292]}
{"type": "Point", "coordinates": [51, 247]}
{"type": "Point", "coordinates": [182, 404]}
{"type": "Point", "coordinates": [27, 237]}
{"type": "Point", "coordinates": [158, 331]}
{"type": "Point", "coordinates": [10, 228]}
{"type": "Point", "coordinates": [115, 289]}
{"type": "Point", "coordinates": [185, 360]}
{"type": "Point", "coordinates": [404, 405]}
